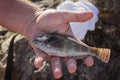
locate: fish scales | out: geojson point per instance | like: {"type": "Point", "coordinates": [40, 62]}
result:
{"type": "Point", "coordinates": [66, 46]}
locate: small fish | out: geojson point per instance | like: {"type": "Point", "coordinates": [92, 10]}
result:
{"type": "Point", "coordinates": [66, 46]}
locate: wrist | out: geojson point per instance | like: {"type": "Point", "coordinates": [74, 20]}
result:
{"type": "Point", "coordinates": [17, 15]}
{"type": "Point", "coordinates": [29, 29]}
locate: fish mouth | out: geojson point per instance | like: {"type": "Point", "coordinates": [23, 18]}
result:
{"type": "Point", "coordinates": [35, 41]}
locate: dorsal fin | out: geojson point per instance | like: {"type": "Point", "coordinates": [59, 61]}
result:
{"type": "Point", "coordinates": [78, 41]}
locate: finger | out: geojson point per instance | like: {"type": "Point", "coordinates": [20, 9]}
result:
{"type": "Point", "coordinates": [40, 58]}
{"type": "Point", "coordinates": [56, 67]}
{"type": "Point", "coordinates": [71, 65]}
{"type": "Point", "coordinates": [63, 29]}
{"type": "Point", "coordinates": [88, 61]}
{"type": "Point", "coordinates": [70, 16]}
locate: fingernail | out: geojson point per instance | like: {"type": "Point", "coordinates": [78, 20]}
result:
{"type": "Point", "coordinates": [88, 15]}
{"type": "Point", "coordinates": [89, 61]}
{"type": "Point", "coordinates": [38, 62]}
{"type": "Point", "coordinates": [57, 73]}
{"type": "Point", "coordinates": [72, 68]}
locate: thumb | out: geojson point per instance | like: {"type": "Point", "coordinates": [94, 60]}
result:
{"type": "Point", "coordinates": [77, 16]}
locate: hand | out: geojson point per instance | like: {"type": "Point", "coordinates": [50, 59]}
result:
{"type": "Point", "coordinates": [52, 21]}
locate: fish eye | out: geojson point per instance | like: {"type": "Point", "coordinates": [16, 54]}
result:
{"type": "Point", "coordinates": [40, 35]}
{"type": "Point", "coordinates": [41, 38]}
{"type": "Point", "coordinates": [53, 38]}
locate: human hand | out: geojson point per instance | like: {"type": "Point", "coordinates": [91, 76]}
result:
{"type": "Point", "coordinates": [52, 21]}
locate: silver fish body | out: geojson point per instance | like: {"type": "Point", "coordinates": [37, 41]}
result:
{"type": "Point", "coordinates": [62, 46]}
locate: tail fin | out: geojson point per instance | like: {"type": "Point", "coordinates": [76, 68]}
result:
{"type": "Point", "coordinates": [103, 54]}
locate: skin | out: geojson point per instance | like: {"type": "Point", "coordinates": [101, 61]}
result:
{"type": "Point", "coordinates": [27, 19]}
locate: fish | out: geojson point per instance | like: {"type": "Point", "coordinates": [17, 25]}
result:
{"type": "Point", "coordinates": [63, 45]}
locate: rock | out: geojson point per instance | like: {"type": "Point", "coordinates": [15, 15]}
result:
{"type": "Point", "coordinates": [109, 5]}
{"type": "Point", "coordinates": [107, 34]}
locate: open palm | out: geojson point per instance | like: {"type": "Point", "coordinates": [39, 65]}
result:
{"type": "Point", "coordinates": [57, 21]}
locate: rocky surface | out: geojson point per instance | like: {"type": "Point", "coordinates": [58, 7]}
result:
{"type": "Point", "coordinates": [106, 34]}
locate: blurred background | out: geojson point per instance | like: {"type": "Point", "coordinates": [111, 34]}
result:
{"type": "Point", "coordinates": [106, 34]}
